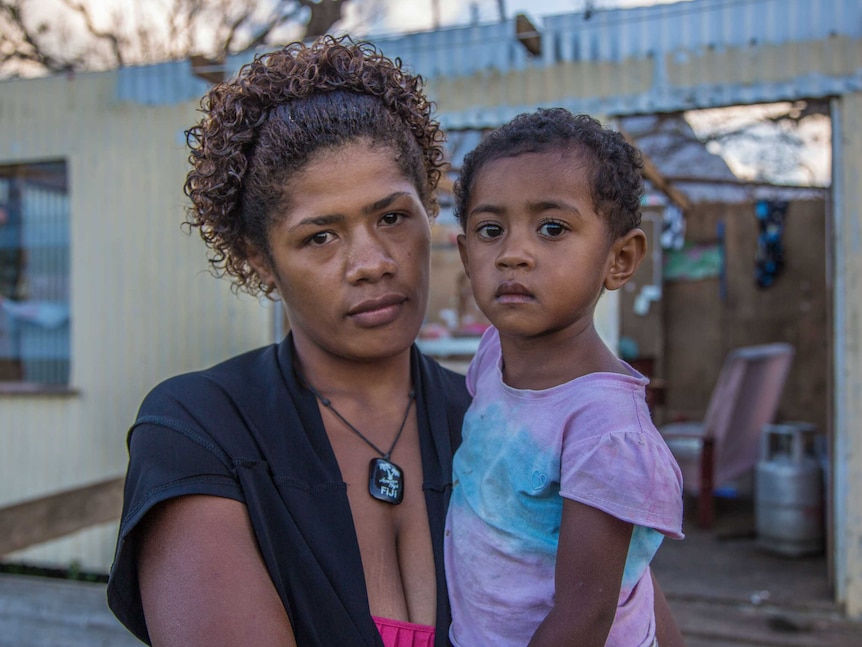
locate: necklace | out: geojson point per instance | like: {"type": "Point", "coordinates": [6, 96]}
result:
{"type": "Point", "coordinates": [385, 478]}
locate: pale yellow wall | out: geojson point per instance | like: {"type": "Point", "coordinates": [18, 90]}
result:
{"type": "Point", "coordinates": [143, 304]}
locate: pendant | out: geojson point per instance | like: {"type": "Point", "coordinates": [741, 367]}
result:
{"type": "Point", "coordinates": [385, 481]}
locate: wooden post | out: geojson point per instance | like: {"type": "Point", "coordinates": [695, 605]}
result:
{"type": "Point", "coordinates": [706, 495]}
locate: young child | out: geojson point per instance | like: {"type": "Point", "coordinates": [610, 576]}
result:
{"type": "Point", "coordinates": [563, 487]}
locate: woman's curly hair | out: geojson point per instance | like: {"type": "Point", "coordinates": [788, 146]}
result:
{"type": "Point", "coordinates": [615, 167]}
{"type": "Point", "coordinates": [260, 128]}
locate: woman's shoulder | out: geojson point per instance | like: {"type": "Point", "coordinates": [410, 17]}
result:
{"type": "Point", "coordinates": [215, 398]}
{"type": "Point", "coordinates": [246, 371]}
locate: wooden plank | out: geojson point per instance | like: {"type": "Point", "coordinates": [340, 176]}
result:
{"type": "Point", "coordinates": [658, 180]}
{"type": "Point", "coordinates": [54, 516]}
{"type": "Point", "coordinates": [528, 35]}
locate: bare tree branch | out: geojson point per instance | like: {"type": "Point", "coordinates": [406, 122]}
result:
{"type": "Point", "coordinates": [279, 16]}
{"type": "Point", "coordinates": [77, 36]}
{"type": "Point", "coordinates": [185, 18]}
{"type": "Point", "coordinates": [114, 40]}
{"type": "Point", "coordinates": [232, 31]}
{"type": "Point", "coordinates": [22, 44]}
{"type": "Point", "coordinates": [324, 14]}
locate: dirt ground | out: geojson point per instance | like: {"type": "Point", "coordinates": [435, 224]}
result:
{"type": "Point", "coordinates": [726, 590]}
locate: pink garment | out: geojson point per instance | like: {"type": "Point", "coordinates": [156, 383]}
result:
{"type": "Point", "coordinates": [523, 451]}
{"type": "Point", "coordinates": [397, 633]}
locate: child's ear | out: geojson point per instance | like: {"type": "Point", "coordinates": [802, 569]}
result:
{"type": "Point", "coordinates": [627, 253]}
{"type": "Point", "coordinates": [462, 249]}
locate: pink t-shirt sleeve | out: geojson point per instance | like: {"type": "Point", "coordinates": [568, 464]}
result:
{"type": "Point", "coordinates": [483, 359]}
{"type": "Point", "coordinates": [617, 461]}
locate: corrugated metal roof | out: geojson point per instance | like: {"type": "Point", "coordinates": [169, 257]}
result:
{"type": "Point", "coordinates": [461, 51]}
{"type": "Point", "coordinates": [159, 84]}
{"type": "Point", "coordinates": [615, 35]}
{"type": "Point", "coordinates": [669, 35]}
{"type": "Point", "coordinates": [619, 34]}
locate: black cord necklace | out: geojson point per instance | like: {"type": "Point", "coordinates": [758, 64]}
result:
{"type": "Point", "coordinates": [385, 478]}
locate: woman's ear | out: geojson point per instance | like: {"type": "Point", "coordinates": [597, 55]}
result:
{"type": "Point", "coordinates": [627, 253]}
{"type": "Point", "coordinates": [260, 263]}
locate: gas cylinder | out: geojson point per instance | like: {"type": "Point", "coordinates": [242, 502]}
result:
{"type": "Point", "coordinates": [789, 490]}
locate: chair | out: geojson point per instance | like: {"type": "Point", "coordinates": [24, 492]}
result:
{"type": "Point", "coordinates": [726, 444]}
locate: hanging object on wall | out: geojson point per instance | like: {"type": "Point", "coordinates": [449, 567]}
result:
{"type": "Point", "coordinates": [769, 258]}
{"type": "Point", "coordinates": [694, 262]}
{"type": "Point", "coordinates": [673, 228]}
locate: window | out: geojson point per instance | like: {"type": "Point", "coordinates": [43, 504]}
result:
{"type": "Point", "coordinates": [34, 274]}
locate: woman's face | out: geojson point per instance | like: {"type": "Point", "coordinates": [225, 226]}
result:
{"type": "Point", "coordinates": [350, 255]}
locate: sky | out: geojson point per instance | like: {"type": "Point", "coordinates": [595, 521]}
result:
{"type": "Point", "coordinates": [362, 17]}
{"type": "Point", "coordinates": [393, 16]}
{"type": "Point", "coordinates": [418, 15]}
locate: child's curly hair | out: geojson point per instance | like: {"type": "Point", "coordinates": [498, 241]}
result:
{"type": "Point", "coordinates": [615, 166]}
{"type": "Point", "coordinates": [263, 126]}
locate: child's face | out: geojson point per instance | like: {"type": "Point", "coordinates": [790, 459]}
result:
{"type": "Point", "coordinates": [536, 251]}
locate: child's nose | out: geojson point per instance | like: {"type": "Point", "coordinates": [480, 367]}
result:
{"type": "Point", "coordinates": [515, 254]}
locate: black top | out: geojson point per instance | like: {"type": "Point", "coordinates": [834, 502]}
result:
{"type": "Point", "coordinates": [248, 430]}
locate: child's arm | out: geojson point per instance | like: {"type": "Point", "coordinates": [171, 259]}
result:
{"type": "Point", "coordinates": [667, 632]}
{"type": "Point", "coordinates": [591, 557]}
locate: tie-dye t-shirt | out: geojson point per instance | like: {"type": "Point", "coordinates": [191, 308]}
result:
{"type": "Point", "coordinates": [590, 440]}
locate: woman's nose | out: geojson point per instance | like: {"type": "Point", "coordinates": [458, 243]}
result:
{"type": "Point", "coordinates": [369, 259]}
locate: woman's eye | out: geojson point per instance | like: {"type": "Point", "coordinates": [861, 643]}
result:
{"type": "Point", "coordinates": [391, 218]}
{"type": "Point", "coordinates": [552, 229]}
{"type": "Point", "coordinates": [320, 238]}
{"type": "Point", "coordinates": [489, 230]}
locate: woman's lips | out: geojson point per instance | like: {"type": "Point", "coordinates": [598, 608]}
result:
{"type": "Point", "coordinates": [378, 311]}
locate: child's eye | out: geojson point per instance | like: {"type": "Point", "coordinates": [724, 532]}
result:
{"type": "Point", "coordinates": [489, 230]}
{"type": "Point", "coordinates": [552, 229]}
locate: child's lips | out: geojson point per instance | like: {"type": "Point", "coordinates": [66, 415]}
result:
{"type": "Point", "coordinates": [512, 292]}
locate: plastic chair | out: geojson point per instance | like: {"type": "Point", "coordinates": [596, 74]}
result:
{"type": "Point", "coordinates": [726, 444]}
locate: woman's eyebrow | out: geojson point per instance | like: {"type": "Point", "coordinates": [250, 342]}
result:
{"type": "Point", "coordinates": [335, 218]}
{"type": "Point", "coordinates": [384, 202]}
{"type": "Point", "coordinates": [317, 221]}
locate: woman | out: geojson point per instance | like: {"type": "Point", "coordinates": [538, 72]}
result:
{"type": "Point", "coordinates": [250, 514]}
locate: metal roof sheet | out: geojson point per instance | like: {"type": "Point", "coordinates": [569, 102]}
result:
{"type": "Point", "coordinates": [664, 34]}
